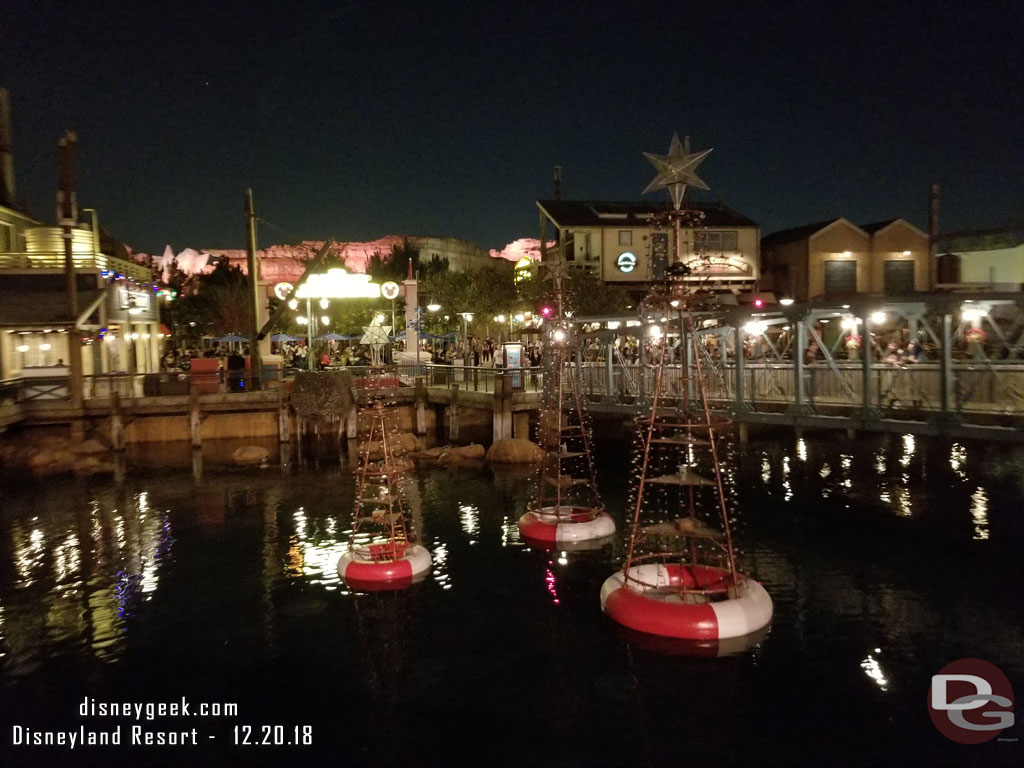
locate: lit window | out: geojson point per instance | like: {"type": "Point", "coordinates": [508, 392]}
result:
{"type": "Point", "coordinates": [625, 237]}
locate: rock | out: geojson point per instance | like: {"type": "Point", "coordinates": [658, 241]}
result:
{"type": "Point", "coordinates": [471, 451]}
{"type": "Point", "coordinates": [250, 454]}
{"type": "Point", "coordinates": [409, 442]}
{"type": "Point", "coordinates": [89, 448]}
{"type": "Point", "coordinates": [516, 450]}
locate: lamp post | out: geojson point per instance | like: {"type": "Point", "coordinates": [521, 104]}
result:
{"type": "Point", "coordinates": [466, 317]}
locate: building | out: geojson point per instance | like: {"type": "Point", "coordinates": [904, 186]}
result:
{"type": "Point", "coordinates": [989, 259]}
{"type": "Point", "coordinates": [629, 243]}
{"type": "Point", "coordinates": [837, 258]}
{"type": "Point", "coordinates": [117, 317]}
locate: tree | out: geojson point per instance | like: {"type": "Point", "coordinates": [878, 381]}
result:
{"type": "Point", "coordinates": [394, 266]}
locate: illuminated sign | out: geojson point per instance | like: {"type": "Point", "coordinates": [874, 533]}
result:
{"type": "Point", "coordinates": [283, 290]}
{"type": "Point", "coordinates": [720, 266]}
{"type": "Point", "coordinates": [389, 290]}
{"type": "Point", "coordinates": [338, 284]}
{"type": "Point", "coordinates": [138, 300]}
{"type": "Point", "coordinates": [626, 262]}
{"type": "Point", "coordinates": [524, 269]}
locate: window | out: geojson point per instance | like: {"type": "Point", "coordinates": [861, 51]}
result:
{"type": "Point", "coordinates": [899, 277]}
{"type": "Point", "coordinates": [6, 238]}
{"type": "Point", "coordinates": [840, 277]}
{"type": "Point", "coordinates": [625, 237]}
{"type": "Point", "coordinates": [720, 241]}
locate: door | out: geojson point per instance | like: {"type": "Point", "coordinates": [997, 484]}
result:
{"type": "Point", "coordinates": [898, 277]}
{"type": "Point", "coordinates": [840, 278]}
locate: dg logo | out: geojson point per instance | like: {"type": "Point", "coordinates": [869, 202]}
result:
{"type": "Point", "coordinates": [970, 701]}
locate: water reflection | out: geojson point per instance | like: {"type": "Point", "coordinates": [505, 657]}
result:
{"type": "Point", "coordinates": [979, 514]}
{"type": "Point", "coordinates": [81, 575]}
{"type": "Point", "coordinates": [873, 670]}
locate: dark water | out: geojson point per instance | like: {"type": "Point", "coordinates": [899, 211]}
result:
{"type": "Point", "coordinates": [887, 558]}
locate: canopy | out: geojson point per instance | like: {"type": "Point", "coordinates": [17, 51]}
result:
{"type": "Point", "coordinates": [279, 337]}
{"type": "Point", "coordinates": [232, 337]}
{"type": "Point", "coordinates": [335, 337]}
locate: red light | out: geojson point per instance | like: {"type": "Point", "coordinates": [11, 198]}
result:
{"type": "Point", "coordinates": [758, 303]}
{"type": "Point", "coordinates": [545, 311]}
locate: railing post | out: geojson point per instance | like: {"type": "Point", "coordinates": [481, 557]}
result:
{"type": "Point", "coordinates": [421, 406]}
{"type": "Point", "coordinates": [947, 413]}
{"type": "Point", "coordinates": [799, 406]}
{"type": "Point", "coordinates": [195, 420]}
{"type": "Point", "coordinates": [609, 373]}
{"type": "Point", "coordinates": [453, 414]}
{"type": "Point", "coordinates": [740, 401]}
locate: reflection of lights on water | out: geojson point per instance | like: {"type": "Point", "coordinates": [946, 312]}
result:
{"type": "Point", "coordinates": [846, 462]}
{"type": "Point", "coordinates": [958, 460]}
{"type": "Point", "coordinates": [903, 502]}
{"type": "Point", "coordinates": [28, 553]}
{"type": "Point", "coordinates": [66, 559]}
{"type": "Point", "coordinates": [300, 523]}
{"type": "Point", "coordinates": [439, 557]}
{"type": "Point", "coordinates": [979, 512]}
{"type": "Point", "coordinates": [908, 450]}
{"type": "Point", "coordinates": [880, 463]}
{"type": "Point", "coordinates": [873, 670]}
{"type": "Point", "coordinates": [549, 580]}
{"type": "Point", "coordinates": [510, 532]}
{"type": "Point", "coordinates": [332, 526]}
{"type": "Point", "coordinates": [563, 559]}
{"type": "Point", "coordinates": [884, 497]}
{"type": "Point", "coordinates": [766, 470]}
{"type": "Point", "coordinates": [801, 449]}
{"type": "Point", "coordinates": [786, 485]}
{"type": "Point", "coordinates": [470, 517]}
{"type": "Point", "coordinates": [825, 470]}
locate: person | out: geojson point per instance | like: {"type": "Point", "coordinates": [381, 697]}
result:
{"type": "Point", "coordinates": [810, 356]}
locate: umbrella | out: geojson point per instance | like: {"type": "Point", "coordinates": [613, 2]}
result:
{"type": "Point", "coordinates": [279, 337]}
{"type": "Point", "coordinates": [231, 337]}
{"type": "Point", "coordinates": [332, 337]}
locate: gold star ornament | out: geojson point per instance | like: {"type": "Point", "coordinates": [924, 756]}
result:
{"type": "Point", "coordinates": [676, 170]}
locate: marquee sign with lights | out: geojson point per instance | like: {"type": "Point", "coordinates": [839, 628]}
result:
{"type": "Point", "coordinates": [733, 267]}
{"type": "Point", "coordinates": [389, 290]}
{"type": "Point", "coordinates": [338, 284]}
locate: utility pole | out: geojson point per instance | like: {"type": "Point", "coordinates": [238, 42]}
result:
{"type": "Point", "coordinates": [67, 217]}
{"type": "Point", "coordinates": [255, 359]}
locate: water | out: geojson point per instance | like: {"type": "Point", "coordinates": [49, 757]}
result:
{"type": "Point", "coordinates": [887, 558]}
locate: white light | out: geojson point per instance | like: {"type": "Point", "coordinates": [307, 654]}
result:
{"type": "Point", "coordinates": [755, 328]}
{"type": "Point", "coordinates": [906, 253]}
{"type": "Point", "coordinates": [324, 303]}
{"type": "Point", "coordinates": [559, 335]}
{"type": "Point", "coordinates": [850, 323]}
{"type": "Point", "coordinates": [135, 336]}
{"type": "Point", "coordinates": [674, 303]}
{"type": "Point", "coordinates": [878, 317]}
{"type": "Point", "coordinates": [145, 335]}
{"type": "Point", "coordinates": [44, 347]}
{"type": "Point", "coordinates": [613, 324]}
{"type": "Point", "coordinates": [847, 254]}
{"type": "Point", "coordinates": [338, 284]}
{"type": "Point", "coordinates": [293, 304]}
{"type": "Point", "coordinates": [433, 306]}
{"type": "Point", "coordinates": [378, 319]}
{"type": "Point", "coordinates": [823, 320]}
{"type": "Point", "coordinates": [325, 320]}
{"type": "Point", "coordinates": [971, 313]}
{"type": "Point", "coordinates": [519, 317]}
{"type": "Point", "coordinates": [108, 337]}
{"type": "Point", "coordinates": [499, 318]}
{"type": "Point", "coordinates": [302, 320]}
{"type": "Point", "coordinates": [135, 310]}
{"type": "Point", "coordinates": [654, 331]}
{"type": "Point", "coordinates": [23, 347]}
{"type": "Point", "coordinates": [785, 302]}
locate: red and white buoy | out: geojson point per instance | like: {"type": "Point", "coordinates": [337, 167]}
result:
{"type": "Point", "coordinates": [379, 566]}
{"type": "Point", "coordinates": [565, 525]}
{"type": "Point", "coordinates": [686, 602]}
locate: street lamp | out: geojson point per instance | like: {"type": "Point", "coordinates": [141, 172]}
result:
{"type": "Point", "coordinates": [466, 317]}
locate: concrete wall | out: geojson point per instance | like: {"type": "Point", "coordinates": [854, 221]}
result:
{"type": "Point", "coordinates": [1001, 265]}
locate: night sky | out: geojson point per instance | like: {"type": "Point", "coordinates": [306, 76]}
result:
{"type": "Point", "coordinates": [362, 119]}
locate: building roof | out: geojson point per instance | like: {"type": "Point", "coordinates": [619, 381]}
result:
{"type": "Point", "coordinates": [875, 226]}
{"type": "Point", "coordinates": [795, 234]}
{"type": "Point", "coordinates": [606, 213]}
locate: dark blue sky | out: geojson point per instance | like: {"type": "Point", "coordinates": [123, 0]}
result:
{"type": "Point", "coordinates": [362, 119]}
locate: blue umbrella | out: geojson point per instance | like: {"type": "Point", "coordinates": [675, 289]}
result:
{"type": "Point", "coordinates": [332, 337]}
{"type": "Point", "coordinates": [279, 337]}
{"type": "Point", "coordinates": [232, 337]}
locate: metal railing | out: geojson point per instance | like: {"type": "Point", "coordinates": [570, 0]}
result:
{"type": "Point", "coordinates": [86, 261]}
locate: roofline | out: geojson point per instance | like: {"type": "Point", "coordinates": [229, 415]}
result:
{"type": "Point", "coordinates": [840, 220]}
{"type": "Point", "coordinates": [897, 221]}
{"type": "Point", "coordinates": [20, 215]}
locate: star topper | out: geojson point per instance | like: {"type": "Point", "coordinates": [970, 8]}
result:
{"type": "Point", "coordinates": [676, 170]}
